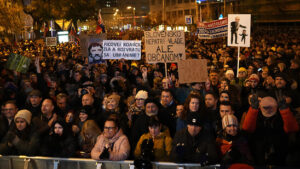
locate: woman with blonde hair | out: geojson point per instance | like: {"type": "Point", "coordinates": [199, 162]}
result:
{"type": "Point", "coordinates": [88, 137]}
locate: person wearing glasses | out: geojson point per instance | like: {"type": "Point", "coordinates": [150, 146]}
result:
{"type": "Point", "coordinates": [112, 144]}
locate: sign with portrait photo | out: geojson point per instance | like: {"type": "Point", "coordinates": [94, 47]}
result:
{"type": "Point", "coordinates": [92, 47]}
{"type": "Point", "coordinates": [239, 28]}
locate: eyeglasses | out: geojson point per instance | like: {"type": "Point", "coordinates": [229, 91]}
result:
{"type": "Point", "coordinates": [231, 125]}
{"type": "Point", "coordinates": [109, 128]}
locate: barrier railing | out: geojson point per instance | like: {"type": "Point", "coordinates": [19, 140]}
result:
{"type": "Point", "coordinates": [26, 162]}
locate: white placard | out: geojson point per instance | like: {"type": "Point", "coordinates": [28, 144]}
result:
{"type": "Point", "coordinates": [122, 49]}
{"type": "Point", "coordinates": [239, 28]}
{"type": "Point", "coordinates": [164, 46]}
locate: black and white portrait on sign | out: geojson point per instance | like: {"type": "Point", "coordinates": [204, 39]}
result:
{"type": "Point", "coordinates": [239, 26]}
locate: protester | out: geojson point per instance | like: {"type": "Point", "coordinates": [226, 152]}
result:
{"type": "Point", "coordinates": [112, 144]}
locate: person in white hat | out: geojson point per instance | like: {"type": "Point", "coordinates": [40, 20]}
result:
{"type": "Point", "coordinates": [21, 139]}
{"type": "Point", "coordinates": [138, 107]}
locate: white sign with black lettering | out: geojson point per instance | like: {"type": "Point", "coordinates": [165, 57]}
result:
{"type": "Point", "coordinates": [122, 49]}
{"type": "Point", "coordinates": [164, 46]}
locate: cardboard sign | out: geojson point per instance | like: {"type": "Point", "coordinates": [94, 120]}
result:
{"type": "Point", "coordinates": [18, 63]}
{"type": "Point", "coordinates": [164, 46]}
{"type": "Point", "coordinates": [214, 29]}
{"type": "Point", "coordinates": [192, 70]}
{"type": "Point", "coordinates": [239, 28]}
{"type": "Point", "coordinates": [122, 49]}
{"type": "Point", "coordinates": [51, 41]}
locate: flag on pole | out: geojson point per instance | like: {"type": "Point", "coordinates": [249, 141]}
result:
{"type": "Point", "coordinates": [100, 26]}
{"type": "Point", "coordinates": [46, 29]}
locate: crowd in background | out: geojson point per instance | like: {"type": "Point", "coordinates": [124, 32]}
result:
{"type": "Point", "coordinates": [65, 107]}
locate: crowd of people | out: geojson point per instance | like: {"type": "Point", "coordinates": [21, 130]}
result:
{"type": "Point", "coordinates": [65, 107]}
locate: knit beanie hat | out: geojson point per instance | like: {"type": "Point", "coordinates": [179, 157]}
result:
{"type": "Point", "coordinates": [142, 94]}
{"type": "Point", "coordinates": [229, 119]}
{"type": "Point", "coordinates": [24, 114]}
{"type": "Point", "coordinates": [229, 72]}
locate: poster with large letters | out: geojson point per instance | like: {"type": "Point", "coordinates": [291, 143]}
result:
{"type": "Point", "coordinates": [164, 46]}
{"type": "Point", "coordinates": [122, 49]}
{"type": "Point", "coordinates": [239, 29]}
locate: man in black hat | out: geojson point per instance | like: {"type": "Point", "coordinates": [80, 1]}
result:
{"type": "Point", "coordinates": [194, 144]}
{"type": "Point", "coordinates": [282, 87]}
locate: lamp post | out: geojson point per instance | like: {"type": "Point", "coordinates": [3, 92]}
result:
{"type": "Point", "coordinates": [133, 15]}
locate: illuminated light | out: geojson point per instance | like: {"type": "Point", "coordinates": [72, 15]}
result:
{"type": "Point", "coordinates": [221, 16]}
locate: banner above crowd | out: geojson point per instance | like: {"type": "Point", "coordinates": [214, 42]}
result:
{"type": "Point", "coordinates": [164, 46]}
{"type": "Point", "coordinates": [122, 49]}
{"type": "Point", "coordinates": [214, 29]}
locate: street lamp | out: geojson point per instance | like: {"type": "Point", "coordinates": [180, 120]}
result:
{"type": "Point", "coordinates": [133, 15]}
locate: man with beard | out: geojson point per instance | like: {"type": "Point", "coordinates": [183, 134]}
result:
{"type": "Point", "coordinates": [95, 53]}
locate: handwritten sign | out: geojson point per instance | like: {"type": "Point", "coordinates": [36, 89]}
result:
{"type": "Point", "coordinates": [192, 70]}
{"type": "Point", "coordinates": [164, 46]}
{"type": "Point", "coordinates": [51, 41]}
{"type": "Point", "coordinates": [122, 49]}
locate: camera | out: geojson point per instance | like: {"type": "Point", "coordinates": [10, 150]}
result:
{"type": "Point", "coordinates": [84, 91]}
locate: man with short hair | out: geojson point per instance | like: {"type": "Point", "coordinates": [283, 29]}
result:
{"type": "Point", "coordinates": [62, 104]}
{"type": "Point", "coordinates": [194, 144]}
{"type": "Point", "coordinates": [112, 144]}
{"type": "Point", "coordinates": [167, 110]}
{"type": "Point", "coordinates": [48, 115]}
{"type": "Point", "coordinates": [7, 118]}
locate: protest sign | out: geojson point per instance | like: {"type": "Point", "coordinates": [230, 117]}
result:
{"type": "Point", "coordinates": [122, 49]}
{"type": "Point", "coordinates": [91, 47]}
{"type": "Point", "coordinates": [239, 29]}
{"type": "Point", "coordinates": [192, 70]}
{"type": "Point", "coordinates": [188, 19]}
{"type": "Point", "coordinates": [214, 29]}
{"type": "Point", "coordinates": [51, 41]}
{"type": "Point", "coordinates": [18, 63]}
{"type": "Point", "coordinates": [164, 46]}
{"type": "Point", "coordinates": [95, 48]}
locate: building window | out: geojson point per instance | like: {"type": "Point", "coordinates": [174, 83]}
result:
{"type": "Point", "coordinates": [174, 14]}
{"type": "Point", "coordinates": [193, 11]}
{"type": "Point", "coordinates": [152, 2]}
{"type": "Point", "coordinates": [168, 2]}
{"type": "Point", "coordinates": [168, 15]}
{"type": "Point", "coordinates": [186, 1]}
{"type": "Point", "coordinates": [180, 13]}
{"type": "Point", "coordinates": [174, 2]}
{"type": "Point", "coordinates": [179, 1]}
{"type": "Point", "coordinates": [186, 12]}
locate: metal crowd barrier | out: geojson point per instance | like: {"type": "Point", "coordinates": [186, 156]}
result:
{"type": "Point", "coordinates": [26, 162]}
